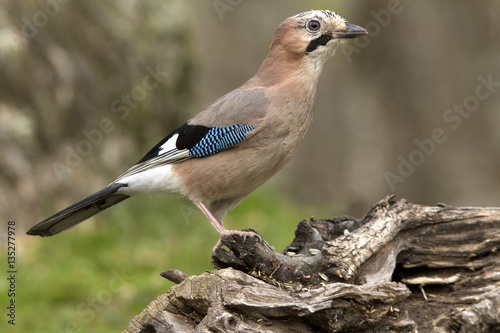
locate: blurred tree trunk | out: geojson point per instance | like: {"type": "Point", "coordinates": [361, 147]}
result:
{"type": "Point", "coordinates": [402, 268]}
{"type": "Point", "coordinates": [81, 82]}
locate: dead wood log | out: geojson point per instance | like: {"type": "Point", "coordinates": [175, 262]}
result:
{"type": "Point", "coordinates": [402, 268]}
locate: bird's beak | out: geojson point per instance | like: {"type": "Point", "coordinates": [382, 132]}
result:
{"type": "Point", "coordinates": [353, 31]}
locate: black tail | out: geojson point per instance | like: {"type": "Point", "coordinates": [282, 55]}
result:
{"type": "Point", "coordinates": [79, 211]}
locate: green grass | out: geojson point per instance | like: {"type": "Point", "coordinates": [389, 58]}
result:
{"type": "Point", "coordinates": [99, 275]}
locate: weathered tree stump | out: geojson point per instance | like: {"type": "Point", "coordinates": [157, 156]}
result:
{"type": "Point", "coordinates": [402, 268]}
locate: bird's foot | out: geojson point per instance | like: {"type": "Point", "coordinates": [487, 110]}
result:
{"type": "Point", "coordinates": [239, 233]}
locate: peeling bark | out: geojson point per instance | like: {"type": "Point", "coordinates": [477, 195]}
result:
{"type": "Point", "coordinates": [402, 268]}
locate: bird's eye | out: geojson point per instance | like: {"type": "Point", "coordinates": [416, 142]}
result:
{"type": "Point", "coordinates": [313, 25]}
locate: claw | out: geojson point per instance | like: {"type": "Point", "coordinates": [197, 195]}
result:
{"type": "Point", "coordinates": [243, 234]}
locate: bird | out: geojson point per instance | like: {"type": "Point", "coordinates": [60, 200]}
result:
{"type": "Point", "coordinates": [237, 143]}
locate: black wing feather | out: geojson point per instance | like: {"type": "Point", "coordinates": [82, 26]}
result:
{"type": "Point", "coordinates": [189, 135]}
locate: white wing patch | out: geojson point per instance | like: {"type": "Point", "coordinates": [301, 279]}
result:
{"type": "Point", "coordinates": [169, 146]}
{"type": "Point", "coordinates": [167, 154]}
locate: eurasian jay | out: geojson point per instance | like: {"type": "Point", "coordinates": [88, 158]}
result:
{"type": "Point", "coordinates": [236, 144]}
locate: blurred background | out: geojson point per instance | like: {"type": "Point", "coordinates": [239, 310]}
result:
{"type": "Point", "coordinates": [87, 87]}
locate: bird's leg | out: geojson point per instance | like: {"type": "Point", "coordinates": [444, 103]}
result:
{"type": "Point", "coordinates": [220, 227]}
{"type": "Point", "coordinates": [216, 223]}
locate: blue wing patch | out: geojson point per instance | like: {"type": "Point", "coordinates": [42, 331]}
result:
{"type": "Point", "coordinates": [190, 141]}
{"type": "Point", "coordinates": [219, 138]}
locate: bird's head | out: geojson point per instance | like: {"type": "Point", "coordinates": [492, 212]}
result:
{"type": "Point", "coordinates": [301, 45]}
{"type": "Point", "coordinates": [314, 34]}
